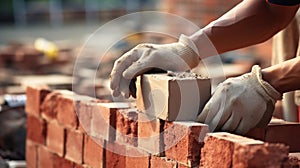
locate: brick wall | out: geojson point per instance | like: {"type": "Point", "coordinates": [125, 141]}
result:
{"type": "Point", "coordinates": [115, 135]}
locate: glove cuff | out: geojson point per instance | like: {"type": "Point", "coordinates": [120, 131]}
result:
{"type": "Point", "coordinates": [273, 93]}
{"type": "Point", "coordinates": [188, 51]}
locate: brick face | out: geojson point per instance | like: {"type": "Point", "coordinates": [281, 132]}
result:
{"type": "Point", "coordinates": [74, 146]}
{"type": "Point", "coordinates": [162, 162]}
{"type": "Point", "coordinates": [126, 126]}
{"type": "Point", "coordinates": [93, 152]}
{"type": "Point", "coordinates": [45, 158]}
{"type": "Point", "coordinates": [150, 137]}
{"type": "Point", "coordinates": [229, 150]}
{"type": "Point", "coordinates": [66, 107]}
{"type": "Point", "coordinates": [35, 97]}
{"type": "Point", "coordinates": [59, 162]}
{"type": "Point", "coordinates": [104, 120]}
{"type": "Point", "coordinates": [36, 129]}
{"type": "Point", "coordinates": [31, 154]}
{"type": "Point", "coordinates": [137, 158]}
{"type": "Point", "coordinates": [55, 138]}
{"type": "Point", "coordinates": [183, 141]}
{"type": "Point", "coordinates": [115, 155]}
{"type": "Point", "coordinates": [49, 106]}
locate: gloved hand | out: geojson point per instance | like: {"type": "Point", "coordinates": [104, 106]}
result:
{"type": "Point", "coordinates": [240, 104]}
{"type": "Point", "coordinates": [179, 56]}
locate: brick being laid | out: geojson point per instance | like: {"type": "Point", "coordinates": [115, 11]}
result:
{"type": "Point", "coordinates": [229, 150]}
{"type": "Point", "coordinates": [172, 97]}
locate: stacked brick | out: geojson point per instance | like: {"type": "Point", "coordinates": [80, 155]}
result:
{"type": "Point", "coordinates": [115, 135]}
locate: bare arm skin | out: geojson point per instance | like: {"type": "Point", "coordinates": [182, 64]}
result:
{"type": "Point", "coordinates": [284, 77]}
{"type": "Point", "coordinates": [250, 22]}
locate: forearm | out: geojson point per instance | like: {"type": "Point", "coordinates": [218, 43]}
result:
{"type": "Point", "coordinates": [284, 77]}
{"type": "Point", "coordinates": [250, 22]}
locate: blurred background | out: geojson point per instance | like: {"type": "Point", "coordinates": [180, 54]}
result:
{"type": "Point", "coordinates": [41, 39]}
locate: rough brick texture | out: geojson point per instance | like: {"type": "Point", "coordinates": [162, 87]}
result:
{"type": "Point", "coordinates": [93, 152]}
{"type": "Point", "coordinates": [183, 141]}
{"type": "Point", "coordinates": [49, 106]}
{"type": "Point", "coordinates": [55, 138]}
{"type": "Point", "coordinates": [229, 150]}
{"type": "Point", "coordinates": [104, 120]}
{"type": "Point", "coordinates": [137, 158]}
{"type": "Point", "coordinates": [35, 97]}
{"type": "Point", "coordinates": [126, 126]}
{"type": "Point", "coordinates": [36, 129]}
{"type": "Point", "coordinates": [74, 146]}
{"type": "Point", "coordinates": [162, 162]}
{"type": "Point", "coordinates": [115, 155]}
{"type": "Point", "coordinates": [150, 136]}
{"type": "Point", "coordinates": [66, 107]}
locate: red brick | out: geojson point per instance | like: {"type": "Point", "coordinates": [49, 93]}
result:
{"type": "Point", "coordinates": [150, 136]}
{"type": "Point", "coordinates": [74, 146]}
{"type": "Point", "coordinates": [36, 129]}
{"type": "Point", "coordinates": [179, 165]}
{"type": "Point", "coordinates": [162, 162]}
{"type": "Point", "coordinates": [55, 138]}
{"type": "Point", "coordinates": [104, 120]}
{"type": "Point", "coordinates": [229, 150]}
{"type": "Point", "coordinates": [93, 152]}
{"type": "Point", "coordinates": [136, 158]}
{"type": "Point", "coordinates": [115, 155]}
{"type": "Point", "coordinates": [84, 107]}
{"type": "Point", "coordinates": [45, 158]}
{"type": "Point", "coordinates": [279, 131]}
{"type": "Point", "coordinates": [266, 155]}
{"type": "Point", "coordinates": [35, 97]}
{"type": "Point", "coordinates": [126, 126]}
{"type": "Point", "coordinates": [183, 141]}
{"type": "Point", "coordinates": [287, 133]}
{"type": "Point", "coordinates": [31, 154]}
{"type": "Point", "coordinates": [257, 133]}
{"type": "Point", "coordinates": [66, 107]}
{"type": "Point", "coordinates": [49, 106]}
{"type": "Point", "coordinates": [59, 162]}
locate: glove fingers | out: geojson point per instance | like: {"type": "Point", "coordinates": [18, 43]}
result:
{"type": "Point", "coordinates": [221, 114]}
{"type": "Point", "coordinates": [137, 68]}
{"type": "Point", "coordinates": [120, 65]}
{"type": "Point", "coordinates": [206, 110]}
{"type": "Point", "coordinates": [124, 87]}
{"type": "Point", "coordinates": [209, 112]}
{"type": "Point", "coordinates": [232, 123]}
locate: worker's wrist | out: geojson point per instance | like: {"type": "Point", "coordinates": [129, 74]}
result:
{"type": "Point", "coordinates": [269, 76]}
{"type": "Point", "coordinates": [204, 45]}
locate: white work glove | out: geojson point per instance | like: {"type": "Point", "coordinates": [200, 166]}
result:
{"type": "Point", "coordinates": [240, 104]}
{"type": "Point", "coordinates": [179, 56]}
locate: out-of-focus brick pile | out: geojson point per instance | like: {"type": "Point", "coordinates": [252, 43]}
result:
{"type": "Point", "coordinates": [109, 134]}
